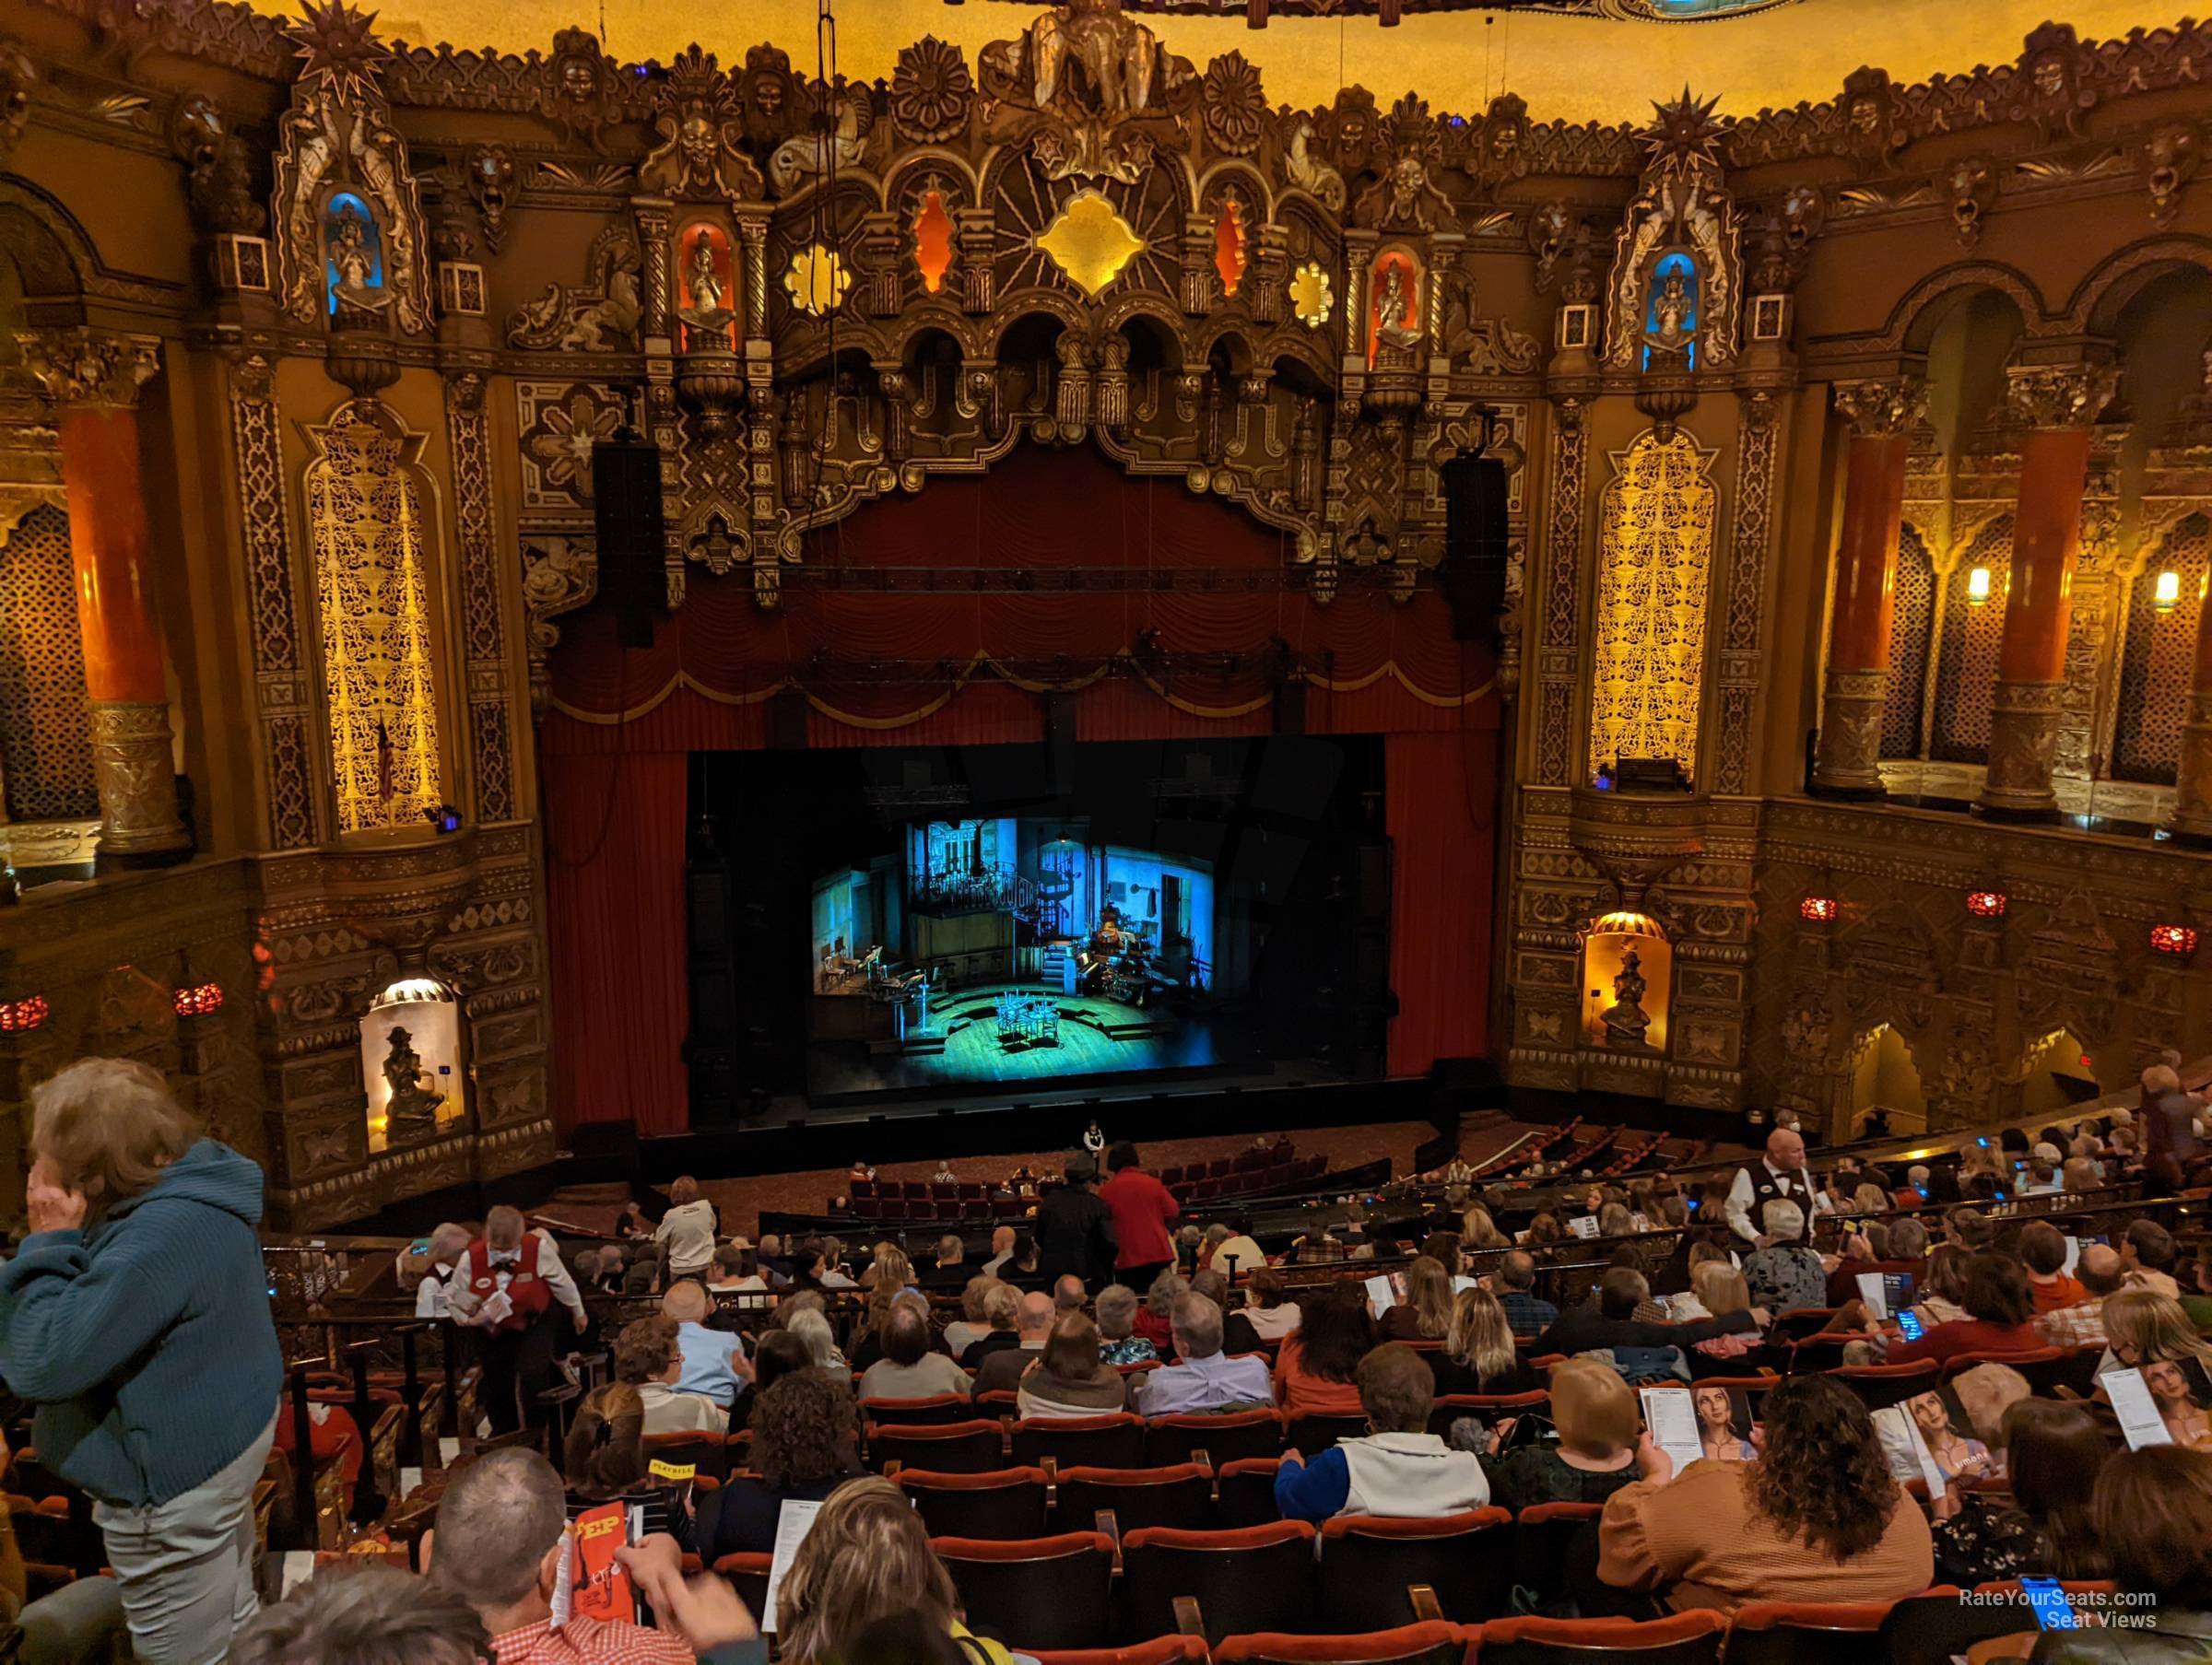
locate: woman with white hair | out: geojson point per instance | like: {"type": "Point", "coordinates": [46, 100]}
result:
{"type": "Point", "coordinates": [441, 1260]}
{"type": "Point", "coordinates": [1782, 1274]}
{"type": "Point", "coordinates": [813, 1329]}
{"type": "Point", "coordinates": [137, 1324]}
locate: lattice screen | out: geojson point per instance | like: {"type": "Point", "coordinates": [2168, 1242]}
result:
{"type": "Point", "coordinates": [2156, 656]}
{"type": "Point", "coordinates": [1911, 628]}
{"type": "Point", "coordinates": [1965, 673]}
{"type": "Point", "coordinates": [45, 746]}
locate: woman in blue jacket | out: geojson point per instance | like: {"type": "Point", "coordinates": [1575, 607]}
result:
{"type": "Point", "coordinates": [136, 1320]}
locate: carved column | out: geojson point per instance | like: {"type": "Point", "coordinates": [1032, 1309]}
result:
{"type": "Point", "coordinates": [482, 631]}
{"type": "Point", "coordinates": [1751, 536]}
{"type": "Point", "coordinates": [1882, 414]}
{"type": "Point", "coordinates": [2060, 402]}
{"type": "Point", "coordinates": [2192, 822]}
{"type": "Point", "coordinates": [1559, 630]}
{"type": "Point", "coordinates": [94, 376]}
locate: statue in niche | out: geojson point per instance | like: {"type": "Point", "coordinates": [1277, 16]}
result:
{"type": "Point", "coordinates": [706, 281]}
{"type": "Point", "coordinates": [353, 262]}
{"type": "Point", "coordinates": [1394, 299]}
{"type": "Point", "coordinates": [1671, 311]}
{"type": "Point", "coordinates": [412, 1111]}
{"type": "Point", "coordinates": [1627, 1020]}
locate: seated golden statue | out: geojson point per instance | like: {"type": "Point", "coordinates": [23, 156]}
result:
{"type": "Point", "coordinates": [1627, 1020]}
{"type": "Point", "coordinates": [413, 1109]}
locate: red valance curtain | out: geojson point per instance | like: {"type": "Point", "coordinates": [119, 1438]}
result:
{"type": "Point", "coordinates": [959, 666]}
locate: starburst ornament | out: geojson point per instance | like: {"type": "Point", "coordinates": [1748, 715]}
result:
{"type": "Point", "coordinates": [339, 44]}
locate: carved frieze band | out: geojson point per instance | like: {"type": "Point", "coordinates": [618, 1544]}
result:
{"type": "Point", "coordinates": [1749, 539]}
{"type": "Point", "coordinates": [279, 684]}
{"type": "Point", "coordinates": [1562, 590]}
{"type": "Point", "coordinates": [490, 741]}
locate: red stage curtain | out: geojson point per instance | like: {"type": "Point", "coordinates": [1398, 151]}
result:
{"type": "Point", "coordinates": [615, 831]}
{"type": "Point", "coordinates": [1439, 804]}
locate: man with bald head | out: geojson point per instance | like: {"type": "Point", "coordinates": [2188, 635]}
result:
{"type": "Point", "coordinates": [2099, 1271]}
{"type": "Point", "coordinates": [1780, 1176]}
{"type": "Point", "coordinates": [1002, 1371]}
{"type": "Point", "coordinates": [1067, 1293]}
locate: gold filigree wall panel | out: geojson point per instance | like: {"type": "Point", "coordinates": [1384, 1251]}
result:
{"type": "Point", "coordinates": [366, 528]}
{"type": "Point", "coordinates": [1912, 633]}
{"type": "Point", "coordinates": [2158, 654]}
{"type": "Point", "coordinates": [1973, 631]}
{"type": "Point", "coordinates": [1656, 528]}
{"type": "Point", "coordinates": [482, 632]}
{"type": "Point", "coordinates": [45, 745]}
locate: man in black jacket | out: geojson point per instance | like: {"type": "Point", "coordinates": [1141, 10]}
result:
{"type": "Point", "coordinates": [1610, 1322]}
{"type": "Point", "coordinates": [1075, 1230]}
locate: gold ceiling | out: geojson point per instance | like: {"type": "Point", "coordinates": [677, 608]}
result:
{"type": "Point", "coordinates": [1566, 67]}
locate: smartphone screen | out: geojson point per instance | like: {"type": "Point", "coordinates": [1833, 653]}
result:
{"type": "Point", "coordinates": [2048, 1602]}
{"type": "Point", "coordinates": [1909, 1322]}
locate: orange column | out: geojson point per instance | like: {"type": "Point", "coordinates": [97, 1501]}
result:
{"type": "Point", "coordinates": [94, 376]}
{"type": "Point", "coordinates": [2060, 404]}
{"type": "Point", "coordinates": [2191, 821]}
{"type": "Point", "coordinates": [1882, 414]}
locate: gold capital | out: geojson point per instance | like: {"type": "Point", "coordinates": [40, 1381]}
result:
{"type": "Point", "coordinates": [2060, 396]}
{"type": "Point", "coordinates": [88, 368]}
{"type": "Point", "coordinates": [1885, 407]}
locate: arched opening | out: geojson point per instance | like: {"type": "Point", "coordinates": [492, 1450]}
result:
{"type": "Point", "coordinates": [1968, 636]}
{"type": "Point", "coordinates": [2158, 648]}
{"type": "Point", "coordinates": [2057, 1074]}
{"type": "Point", "coordinates": [1628, 982]}
{"type": "Point", "coordinates": [1885, 1092]}
{"type": "Point", "coordinates": [412, 1063]}
{"type": "Point", "coordinates": [1911, 638]}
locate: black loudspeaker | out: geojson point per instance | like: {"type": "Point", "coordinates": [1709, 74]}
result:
{"type": "Point", "coordinates": [710, 1048]}
{"type": "Point", "coordinates": [1290, 708]}
{"type": "Point", "coordinates": [633, 533]}
{"type": "Point", "coordinates": [1473, 570]}
{"type": "Point", "coordinates": [787, 721]}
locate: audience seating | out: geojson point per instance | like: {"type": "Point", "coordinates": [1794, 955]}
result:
{"type": "Point", "coordinates": [1543, 1536]}
{"type": "Point", "coordinates": [1447, 1408]}
{"type": "Point", "coordinates": [1433, 1643]}
{"type": "Point", "coordinates": [1178, 1495]}
{"type": "Point", "coordinates": [1001, 1502]}
{"type": "Point", "coordinates": [1047, 1592]}
{"type": "Point", "coordinates": [1246, 1488]}
{"type": "Point", "coordinates": [2044, 1368]}
{"type": "Point", "coordinates": [936, 1408]}
{"type": "Point", "coordinates": [1223, 1438]}
{"type": "Point", "coordinates": [1691, 1638]}
{"type": "Point", "coordinates": [1804, 1633]}
{"type": "Point", "coordinates": [1113, 1441]}
{"type": "Point", "coordinates": [1159, 1650]}
{"type": "Point", "coordinates": [960, 1448]}
{"type": "Point", "coordinates": [1881, 1386]}
{"type": "Point", "coordinates": [707, 1453]}
{"type": "Point", "coordinates": [747, 1574]}
{"type": "Point", "coordinates": [1369, 1563]}
{"type": "Point", "coordinates": [1307, 1435]}
{"type": "Point", "coordinates": [1244, 1579]}
{"type": "Point", "coordinates": [1936, 1624]}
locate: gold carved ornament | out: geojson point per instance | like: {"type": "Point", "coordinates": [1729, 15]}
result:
{"type": "Point", "coordinates": [1655, 571]}
{"type": "Point", "coordinates": [365, 518]}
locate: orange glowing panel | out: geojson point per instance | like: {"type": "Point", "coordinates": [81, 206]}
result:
{"type": "Point", "coordinates": [1818, 911]}
{"type": "Point", "coordinates": [2178, 940]}
{"type": "Point", "coordinates": [25, 1014]}
{"type": "Point", "coordinates": [1985, 904]}
{"type": "Point", "coordinates": [1228, 245]}
{"type": "Point", "coordinates": [932, 239]}
{"type": "Point", "coordinates": [200, 1001]}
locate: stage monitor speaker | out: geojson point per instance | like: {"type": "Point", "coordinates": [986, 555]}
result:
{"type": "Point", "coordinates": [1473, 570]}
{"type": "Point", "coordinates": [787, 721]}
{"type": "Point", "coordinates": [1290, 708]}
{"type": "Point", "coordinates": [632, 530]}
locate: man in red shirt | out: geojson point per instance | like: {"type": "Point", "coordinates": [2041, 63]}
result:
{"type": "Point", "coordinates": [1142, 1208]}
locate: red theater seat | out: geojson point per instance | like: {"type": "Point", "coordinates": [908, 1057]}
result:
{"type": "Point", "coordinates": [1159, 1650]}
{"type": "Point", "coordinates": [1542, 1536]}
{"type": "Point", "coordinates": [1881, 1386]}
{"type": "Point", "coordinates": [1804, 1633]}
{"type": "Point", "coordinates": [1002, 1503]}
{"type": "Point", "coordinates": [1246, 1487]}
{"type": "Point", "coordinates": [1434, 1643]}
{"type": "Point", "coordinates": [1369, 1563]}
{"type": "Point", "coordinates": [1691, 1638]}
{"type": "Point", "coordinates": [960, 1448]}
{"type": "Point", "coordinates": [1224, 1437]}
{"type": "Point", "coordinates": [1447, 1408]}
{"type": "Point", "coordinates": [1037, 1593]}
{"type": "Point", "coordinates": [936, 1407]}
{"type": "Point", "coordinates": [1249, 1579]}
{"type": "Point", "coordinates": [1114, 1441]}
{"type": "Point", "coordinates": [1181, 1494]}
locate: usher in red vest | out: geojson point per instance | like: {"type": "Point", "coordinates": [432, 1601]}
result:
{"type": "Point", "coordinates": [527, 1291]}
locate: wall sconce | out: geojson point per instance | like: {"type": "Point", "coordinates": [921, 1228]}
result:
{"type": "Point", "coordinates": [18, 1015]}
{"type": "Point", "coordinates": [2167, 594]}
{"type": "Point", "coordinates": [1977, 586]}
{"type": "Point", "coordinates": [1818, 911]}
{"type": "Point", "coordinates": [2177, 940]}
{"type": "Point", "coordinates": [1985, 904]}
{"type": "Point", "coordinates": [199, 999]}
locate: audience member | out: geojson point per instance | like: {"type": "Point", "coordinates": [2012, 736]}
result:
{"type": "Point", "coordinates": [1142, 1209]}
{"type": "Point", "coordinates": [2152, 1515]}
{"type": "Point", "coordinates": [1784, 1275]}
{"type": "Point", "coordinates": [2042, 1249]}
{"type": "Point", "coordinates": [1999, 1314]}
{"type": "Point", "coordinates": [907, 1369]}
{"type": "Point", "coordinates": [511, 1281]}
{"type": "Point", "coordinates": [686, 1234]}
{"type": "Point", "coordinates": [2146, 1257]}
{"type": "Point", "coordinates": [2040, 1525]}
{"type": "Point", "coordinates": [971, 1326]}
{"type": "Point", "coordinates": [802, 1448]}
{"type": "Point", "coordinates": [1596, 1414]}
{"type": "Point", "coordinates": [2169, 1115]}
{"type": "Point", "coordinates": [1001, 1371]}
{"type": "Point", "coordinates": [1478, 1230]}
{"type": "Point", "coordinates": [1001, 1313]}
{"type": "Point", "coordinates": [497, 1547]}
{"type": "Point", "coordinates": [2098, 1273]}
{"type": "Point", "coordinates": [865, 1563]}
{"type": "Point", "coordinates": [1156, 1318]}
{"type": "Point", "coordinates": [364, 1615]}
{"type": "Point", "coordinates": [1067, 1378]}
{"type": "Point", "coordinates": [1203, 1378]}
{"type": "Point", "coordinates": [715, 1362]}
{"type": "Point", "coordinates": [603, 1461]}
{"type": "Point", "coordinates": [1398, 1470]}
{"type": "Point", "coordinates": [1527, 1312]}
{"type": "Point", "coordinates": [1610, 1322]}
{"type": "Point", "coordinates": [776, 1355]}
{"type": "Point", "coordinates": [648, 1357]}
{"type": "Point", "coordinates": [1002, 1250]}
{"type": "Point", "coordinates": [1425, 1315]}
{"type": "Point", "coordinates": [1317, 1367]}
{"type": "Point", "coordinates": [1778, 1176]}
{"type": "Point", "coordinates": [448, 1244]}
{"type": "Point", "coordinates": [1478, 1354]}
{"type": "Point", "coordinates": [1267, 1316]}
{"type": "Point", "coordinates": [1237, 1254]}
{"type": "Point", "coordinates": [1815, 1517]}
{"type": "Point", "coordinates": [1074, 1228]}
{"type": "Point", "coordinates": [138, 1329]}
{"type": "Point", "coordinates": [812, 1327]}
{"type": "Point", "coordinates": [1118, 1342]}
{"type": "Point", "coordinates": [735, 1272]}
{"type": "Point", "coordinates": [1942, 1293]}
{"type": "Point", "coordinates": [2144, 1328]}
{"type": "Point", "coordinates": [1068, 1294]}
